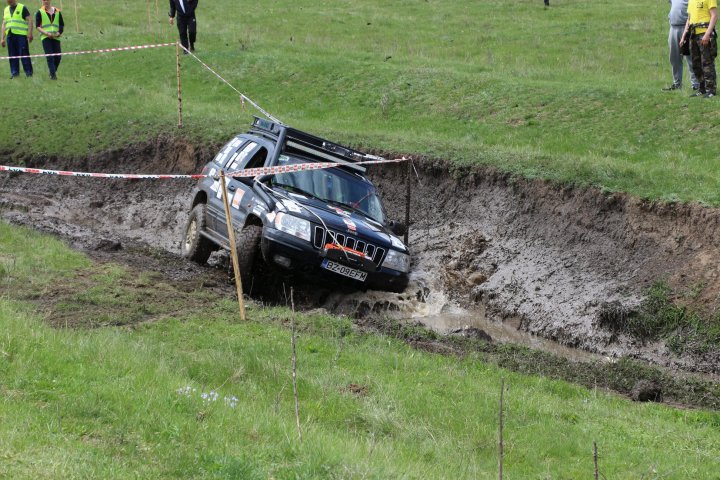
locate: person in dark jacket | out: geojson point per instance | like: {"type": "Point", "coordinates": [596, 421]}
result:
{"type": "Point", "coordinates": [186, 21]}
{"type": "Point", "coordinates": [49, 22]}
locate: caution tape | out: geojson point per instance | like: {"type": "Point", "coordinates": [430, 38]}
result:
{"type": "Point", "coordinates": [85, 52]}
{"type": "Point", "coordinates": [247, 173]}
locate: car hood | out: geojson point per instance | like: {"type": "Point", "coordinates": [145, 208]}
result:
{"type": "Point", "coordinates": [337, 218]}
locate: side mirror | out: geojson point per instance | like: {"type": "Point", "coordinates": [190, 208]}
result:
{"type": "Point", "coordinates": [398, 228]}
{"type": "Point", "coordinates": [246, 180]}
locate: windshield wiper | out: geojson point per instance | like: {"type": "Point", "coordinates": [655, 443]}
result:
{"type": "Point", "coordinates": [351, 207]}
{"type": "Point", "coordinates": [294, 189]}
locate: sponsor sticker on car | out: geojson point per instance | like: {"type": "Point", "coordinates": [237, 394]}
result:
{"type": "Point", "coordinates": [237, 198]}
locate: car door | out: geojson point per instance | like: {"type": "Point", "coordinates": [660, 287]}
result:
{"type": "Point", "coordinates": [240, 193]}
{"type": "Point", "coordinates": [232, 154]}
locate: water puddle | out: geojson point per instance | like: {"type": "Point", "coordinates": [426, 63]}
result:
{"type": "Point", "coordinates": [434, 310]}
{"type": "Point", "coordinates": [455, 322]}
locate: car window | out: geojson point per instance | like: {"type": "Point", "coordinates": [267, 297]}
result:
{"type": "Point", "coordinates": [334, 185]}
{"type": "Point", "coordinates": [239, 156]}
{"type": "Point", "coordinates": [257, 160]}
{"type": "Point", "coordinates": [227, 150]}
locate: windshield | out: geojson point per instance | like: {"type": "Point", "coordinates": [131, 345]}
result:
{"type": "Point", "coordinates": [332, 185]}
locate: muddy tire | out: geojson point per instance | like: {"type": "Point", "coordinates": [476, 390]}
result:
{"type": "Point", "coordinates": [247, 242]}
{"type": "Point", "coordinates": [195, 246]}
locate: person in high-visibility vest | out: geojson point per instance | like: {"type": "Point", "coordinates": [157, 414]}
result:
{"type": "Point", "coordinates": [50, 24]}
{"type": "Point", "coordinates": [17, 33]}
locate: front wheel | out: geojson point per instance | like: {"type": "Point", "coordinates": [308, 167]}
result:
{"type": "Point", "coordinates": [195, 246]}
{"type": "Point", "coordinates": [248, 247]}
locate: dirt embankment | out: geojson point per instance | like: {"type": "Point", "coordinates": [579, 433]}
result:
{"type": "Point", "coordinates": [548, 260]}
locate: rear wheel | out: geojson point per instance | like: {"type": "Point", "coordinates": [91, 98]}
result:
{"type": "Point", "coordinates": [248, 251]}
{"type": "Point", "coordinates": [195, 246]}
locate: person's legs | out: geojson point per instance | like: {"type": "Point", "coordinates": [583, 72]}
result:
{"type": "Point", "coordinates": [48, 49]}
{"type": "Point", "coordinates": [676, 58]}
{"type": "Point", "coordinates": [182, 24]}
{"type": "Point", "coordinates": [693, 79]}
{"type": "Point", "coordinates": [57, 49]}
{"type": "Point", "coordinates": [24, 48]}
{"type": "Point", "coordinates": [13, 52]}
{"type": "Point", "coordinates": [192, 28]}
{"type": "Point", "coordinates": [697, 62]}
{"type": "Point", "coordinates": [708, 54]}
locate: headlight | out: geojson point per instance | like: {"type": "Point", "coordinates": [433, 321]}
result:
{"type": "Point", "coordinates": [397, 261]}
{"type": "Point", "coordinates": [293, 225]}
{"type": "Point", "coordinates": [397, 243]}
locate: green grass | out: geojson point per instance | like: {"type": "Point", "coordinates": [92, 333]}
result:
{"type": "Point", "coordinates": [101, 403]}
{"type": "Point", "coordinates": [570, 93]}
{"type": "Point", "coordinates": [669, 315]}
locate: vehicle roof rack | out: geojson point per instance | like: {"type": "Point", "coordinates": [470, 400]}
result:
{"type": "Point", "coordinates": [308, 144]}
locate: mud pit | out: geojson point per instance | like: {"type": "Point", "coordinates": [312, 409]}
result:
{"type": "Point", "coordinates": [523, 261]}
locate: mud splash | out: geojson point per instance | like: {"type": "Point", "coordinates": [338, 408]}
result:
{"type": "Point", "coordinates": [524, 261]}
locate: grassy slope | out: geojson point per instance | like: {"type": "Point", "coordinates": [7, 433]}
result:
{"type": "Point", "coordinates": [571, 93]}
{"type": "Point", "coordinates": [103, 402]}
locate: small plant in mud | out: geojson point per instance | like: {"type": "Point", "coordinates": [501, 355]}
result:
{"type": "Point", "coordinates": [660, 317]}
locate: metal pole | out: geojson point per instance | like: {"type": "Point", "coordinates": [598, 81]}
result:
{"type": "Point", "coordinates": [179, 86]}
{"type": "Point", "coordinates": [233, 247]}
{"type": "Point", "coordinates": [408, 192]}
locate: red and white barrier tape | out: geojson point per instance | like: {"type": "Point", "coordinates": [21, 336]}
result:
{"type": "Point", "coordinates": [248, 173]}
{"type": "Point", "coordinates": [85, 52]}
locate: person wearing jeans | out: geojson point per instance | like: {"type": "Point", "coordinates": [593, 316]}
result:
{"type": "Point", "coordinates": [678, 18]}
{"type": "Point", "coordinates": [50, 24]}
{"type": "Point", "coordinates": [186, 21]}
{"type": "Point", "coordinates": [700, 32]}
{"type": "Point", "coordinates": [17, 33]}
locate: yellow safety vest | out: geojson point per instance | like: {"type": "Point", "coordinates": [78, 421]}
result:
{"type": "Point", "coordinates": [15, 23]}
{"type": "Point", "coordinates": [50, 26]}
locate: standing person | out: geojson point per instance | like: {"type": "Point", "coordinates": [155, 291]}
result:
{"type": "Point", "coordinates": [678, 18]}
{"type": "Point", "coordinates": [17, 33]}
{"type": "Point", "coordinates": [186, 22]}
{"type": "Point", "coordinates": [50, 24]}
{"type": "Point", "coordinates": [547, 3]}
{"type": "Point", "coordinates": [700, 32]}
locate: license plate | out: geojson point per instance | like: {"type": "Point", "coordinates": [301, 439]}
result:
{"type": "Point", "coordinates": [344, 271]}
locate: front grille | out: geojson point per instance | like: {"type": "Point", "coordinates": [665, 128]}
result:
{"type": "Point", "coordinates": [322, 238]}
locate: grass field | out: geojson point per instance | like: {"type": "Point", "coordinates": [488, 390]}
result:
{"type": "Point", "coordinates": [110, 402]}
{"type": "Point", "coordinates": [570, 93]}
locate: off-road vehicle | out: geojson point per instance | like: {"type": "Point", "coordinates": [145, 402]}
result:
{"type": "Point", "coordinates": [326, 224]}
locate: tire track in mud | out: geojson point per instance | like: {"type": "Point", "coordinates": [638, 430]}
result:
{"type": "Point", "coordinates": [525, 260]}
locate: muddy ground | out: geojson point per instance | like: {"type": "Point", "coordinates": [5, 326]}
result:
{"type": "Point", "coordinates": [525, 260]}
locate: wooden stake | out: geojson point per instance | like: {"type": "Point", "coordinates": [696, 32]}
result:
{"type": "Point", "coordinates": [179, 86]}
{"type": "Point", "coordinates": [595, 461]}
{"type": "Point", "coordinates": [157, 8]}
{"type": "Point", "coordinates": [500, 431]}
{"type": "Point", "coordinates": [294, 367]}
{"type": "Point", "coordinates": [233, 247]}
{"type": "Point", "coordinates": [407, 201]}
{"type": "Point", "coordinates": [77, 19]}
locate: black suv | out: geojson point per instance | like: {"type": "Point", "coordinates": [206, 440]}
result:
{"type": "Point", "coordinates": [326, 223]}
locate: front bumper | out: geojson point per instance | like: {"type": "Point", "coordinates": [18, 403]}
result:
{"type": "Point", "coordinates": [296, 255]}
